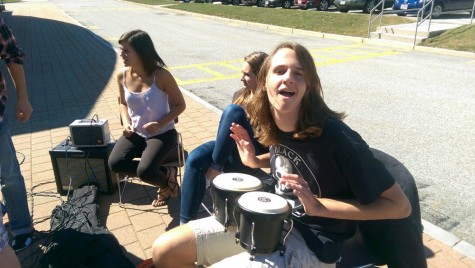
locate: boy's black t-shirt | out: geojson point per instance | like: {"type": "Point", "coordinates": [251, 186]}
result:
{"type": "Point", "coordinates": [337, 165]}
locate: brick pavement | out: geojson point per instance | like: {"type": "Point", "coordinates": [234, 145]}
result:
{"type": "Point", "coordinates": [70, 75]}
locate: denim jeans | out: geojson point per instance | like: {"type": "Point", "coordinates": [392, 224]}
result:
{"type": "Point", "coordinates": [13, 184]}
{"type": "Point", "coordinates": [221, 154]}
{"type": "Point", "coordinates": [3, 234]}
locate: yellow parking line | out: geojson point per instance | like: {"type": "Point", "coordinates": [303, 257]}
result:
{"type": "Point", "coordinates": [355, 58]}
{"type": "Point", "coordinates": [225, 64]}
{"type": "Point", "coordinates": [322, 56]}
{"type": "Point", "coordinates": [203, 64]}
{"type": "Point", "coordinates": [203, 80]}
{"type": "Point", "coordinates": [92, 10]}
{"type": "Point", "coordinates": [208, 70]}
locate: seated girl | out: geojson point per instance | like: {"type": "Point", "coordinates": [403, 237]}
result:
{"type": "Point", "coordinates": [150, 100]}
{"type": "Point", "coordinates": [323, 166]}
{"type": "Point", "coordinates": [210, 159]}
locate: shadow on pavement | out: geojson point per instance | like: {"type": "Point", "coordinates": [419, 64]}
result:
{"type": "Point", "coordinates": [67, 68]}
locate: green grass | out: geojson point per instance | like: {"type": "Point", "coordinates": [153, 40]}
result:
{"type": "Point", "coordinates": [461, 38]}
{"type": "Point", "coordinates": [327, 22]}
{"type": "Point", "coordinates": [12, 1]}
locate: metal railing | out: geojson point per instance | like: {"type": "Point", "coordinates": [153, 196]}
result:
{"type": "Point", "coordinates": [473, 9]}
{"type": "Point", "coordinates": [420, 15]}
{"type": "Point", "coordinates": [380, 15]}
{"type": "Point", "coordinates": [421, 18]}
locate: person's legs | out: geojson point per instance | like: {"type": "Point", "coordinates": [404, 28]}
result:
{"type": "Point", "coordinates": [175, 248]}
{"type": "Point", "coordinates": [194, 182]}
{"type": "Point", "coordinates": [155, 151]}
{"type": "Point", "coordinates": [151, 171]}
{"type": "Point", "coordinates": [7, 256]}
{"type": "Point", "coordinates": [124, 151]}
{"type": "Point", "coordinates": [296, 254]}
{"type": "Point", "coordinates": [200, 242]}
{"type": "Point", "coordinates": [225, 145]}
{"type": "Point", "coordinates": [14, 190]}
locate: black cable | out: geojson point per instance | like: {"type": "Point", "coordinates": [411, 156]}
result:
{"type": "Point", "coordinates": [95, 118]}
{"type": "Point", "coordinates": [23, 157]}
{"type": "Point", "coordinates": [71, 211]}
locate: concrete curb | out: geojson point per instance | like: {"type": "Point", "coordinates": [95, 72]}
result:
{"type": "Point", "coordinates": [196, 98]}
{"type": "Point", "coordinates": [330, 36]}
{"type": "Point", "coordinates": [449, 239]}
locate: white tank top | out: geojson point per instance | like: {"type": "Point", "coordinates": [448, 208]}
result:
{"type": "Point", "coordinates": [148, 106]}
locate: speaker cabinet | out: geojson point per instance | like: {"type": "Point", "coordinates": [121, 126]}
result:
{"type": "Point", "coordinates": [89, 133]}
{"type": "Point", "coordinates": [74, 167]}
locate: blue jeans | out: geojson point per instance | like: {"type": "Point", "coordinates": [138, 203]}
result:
{"type": "Point", "coordinates": [13, 184]}
{"type": "Point", "coordinates": [221, 154]}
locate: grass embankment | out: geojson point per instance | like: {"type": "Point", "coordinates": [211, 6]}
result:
{"type": "Point", "coordinates": [461, 38]}
{"type": "Point", "coordinates": [327, 22]}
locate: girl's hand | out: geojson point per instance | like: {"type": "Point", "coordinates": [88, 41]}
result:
{"type": "Point", "coordinates": [301, 189]}
{"type": "Point", "coordinates": [152, 127]}
{"type": "Point", "coordinates": [244, 144]}
{"type": "Point", "coordinates": [127, 131]}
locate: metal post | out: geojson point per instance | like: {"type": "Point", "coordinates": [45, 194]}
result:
{"type": "Point", "coordinates": [430, 15]}
{"type": "Point", "coordinates": [381, 17]}
{"type": "Point", "coordinates": [473, 9]}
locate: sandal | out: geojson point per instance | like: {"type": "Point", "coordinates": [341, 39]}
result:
{"type": "Point", "coordinates": [162, 197]}
{"type": "Point", "coordinates": [172, 182]}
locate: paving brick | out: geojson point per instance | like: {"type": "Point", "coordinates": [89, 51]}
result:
{"type": "Point", "coordinates": [148, 236]}
{"type": "Point", "coordinates": [139, 206]}
{"type": "Point", "coordinates": [126, 235]}
{"type": "Point", "coordinates": [145, 221]}
{"type": "Point", "coordinates": [117, 220]}
{"type": "Point", "coordinates": [135, 252]}
{"type": "Point", "coordinates": [468, 261]}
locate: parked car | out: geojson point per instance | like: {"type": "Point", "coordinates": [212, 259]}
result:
{"type": "Point", "coordinates": [319, 4]}
{"type": "Point", "coordinates": [250, 2]}
{"type": "Point", "coordinates": [365, 5]}
{"type": "Point", "coordinates": [234, 2]}
{"type": "Point", "coordinates": [412, 6]}
{"type": "Point", "coordinates": [275, 3]}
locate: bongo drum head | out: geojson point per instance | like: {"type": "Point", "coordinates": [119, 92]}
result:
{"type": "Point", "coordinates": [238, 182]}
{"type": "Point", "coordinates": [225, 189]}
{"type": "Point", "coordinates": [263, 202]}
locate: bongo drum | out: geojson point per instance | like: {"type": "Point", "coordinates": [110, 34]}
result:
{"type": "Point", "coordinates": [225, 189]}
{"type": "Point", "coordinates": [261, 219]}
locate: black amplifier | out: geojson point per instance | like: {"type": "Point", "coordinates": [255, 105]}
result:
{"type": "Point", "coordinates": [74, 167]}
